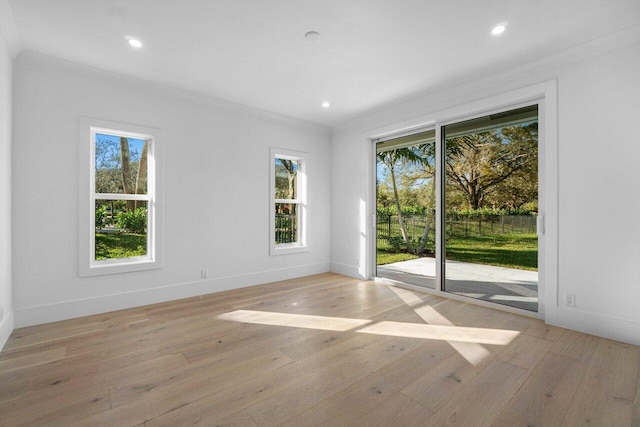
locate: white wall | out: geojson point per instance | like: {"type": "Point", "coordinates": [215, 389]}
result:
{"type": "Point", "coordinates": [599, 156]}
{"type": "Point", "coordinates": [6, 317]}
{"type": "Point", "coordinates": [216, 191]}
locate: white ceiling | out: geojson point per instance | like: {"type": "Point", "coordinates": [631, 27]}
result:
{"type": "Point", "coordinates": [371, 53]}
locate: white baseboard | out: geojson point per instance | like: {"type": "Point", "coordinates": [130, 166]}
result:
{"type": "Point", "coordinates": [6, 326]}
{"type": "Point", "coordinates": [36, 315]}
{"type": "Point", "coordinates": [600, 325]}
{"type": "Point", "coordinates": [346, 270]}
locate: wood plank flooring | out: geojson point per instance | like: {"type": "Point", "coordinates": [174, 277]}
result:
{"type": "Point", "coordinates": [323, 350]}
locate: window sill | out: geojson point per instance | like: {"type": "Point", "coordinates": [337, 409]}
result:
{"type": "Point", "coordinates": [288, 249]}
{"type": "Point", "coordinates": [119, 266]}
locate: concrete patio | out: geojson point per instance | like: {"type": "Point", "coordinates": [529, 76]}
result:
{"type": "Point", "coordinates": [508, 286]}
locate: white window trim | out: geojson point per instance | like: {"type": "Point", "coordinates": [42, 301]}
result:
{"type": "Point", "coordinates": [88, 266]}
{"type": "Point", "coordinates": [303, 219]}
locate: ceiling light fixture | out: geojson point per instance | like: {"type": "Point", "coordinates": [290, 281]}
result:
{"type": "Point", "coordinates": [135, 43]}
{"type": "Point", "coordinates": [312, 36]}
{"type": "Point", "coordinates": [326, 104]}
{"type": "Point", "coordinates": [498, 29]}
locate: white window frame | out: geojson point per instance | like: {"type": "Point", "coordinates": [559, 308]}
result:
{"type": "Point", "coordinates": [88, 265]}
{"type": "Point", "coordinates": [300, 245]}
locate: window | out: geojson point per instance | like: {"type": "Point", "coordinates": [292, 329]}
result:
{"type": "Point", "coordinates": [288, 202]}
{"type": "Point", "coordinates": [119, 206]}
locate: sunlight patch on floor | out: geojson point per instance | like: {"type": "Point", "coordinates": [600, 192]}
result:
{"type": "Point", "coordinates": [294, 320]}
{"type": "Point", "coordinates": [399, 329]}
{"type": "Point", "coordinates": [473, 352]}
{"type": "Point", "coordinates": [406, 296]}
{"type": "Point", "coordinates": [444, 333]}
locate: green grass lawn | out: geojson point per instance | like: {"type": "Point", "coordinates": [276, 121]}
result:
{"type": "Point", "coordinates": [385, 257]}
{"type": "Point", "coordinates": [507, 250]}
{"type": "Point", "coordinates": [120, 245]}
{"type": "Point", "coordinates": [386, 254]}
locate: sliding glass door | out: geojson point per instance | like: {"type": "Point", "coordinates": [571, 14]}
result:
{"type": "Point", "coordinates": [490, 171]}
{"type": "Point", "coordinates": [486, 243]}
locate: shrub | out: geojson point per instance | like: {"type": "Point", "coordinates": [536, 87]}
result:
{"type": "Point", "coordinates": [102, 217]}
{"type": "Point", "coordinates": [133, 221]}
{"type": "Point", "coordinates": [397, 244]}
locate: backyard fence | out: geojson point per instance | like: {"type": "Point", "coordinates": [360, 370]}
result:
{"type": "Point", "coordinates": [456, 225]}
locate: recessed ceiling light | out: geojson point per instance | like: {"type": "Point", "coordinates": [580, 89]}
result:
{"type": "Point", "coordinates": [135, 42]}
{"type": "Point", "coordinates": [326, 104]}
{"type": "Point", "coordinates": [312, 36]}
{"type": "Point", "coordinates": [498, 29]}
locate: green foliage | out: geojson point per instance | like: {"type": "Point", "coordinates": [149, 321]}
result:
{"type": "Point", "coordinates": [286, 178]}
{"type": "Point", "coordinates": [488, 212]}
{"type": "Point", "coordinates": [406, 210]}
{"type": "Point", "coordinates": [109, 172]}
{"type": "Point", "coordinates": [491, 194]}
{"type": "Point", "coordinates": [133, 221]}
{"type": "Point", "coordinates": [496, 167]}
{"type": "Point", "coordinates": [102, 217]}
{"type": "Point", "coordinates": [396, 244]}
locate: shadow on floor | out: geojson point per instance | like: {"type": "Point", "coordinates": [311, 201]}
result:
{"type": "Point", "coordinates": [506, 286]}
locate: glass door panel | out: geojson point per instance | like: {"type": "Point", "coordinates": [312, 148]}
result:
{"type": "Point", "coordinates": [490, 198]}
{"type": "Point", "coordinates": [406, 209]}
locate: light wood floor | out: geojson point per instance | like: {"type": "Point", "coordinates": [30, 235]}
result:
{"type": "Point", "coordinates": [322, 350]}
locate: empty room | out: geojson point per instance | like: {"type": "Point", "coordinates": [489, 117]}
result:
{"type": "Point", "coordinates": [324, 213]}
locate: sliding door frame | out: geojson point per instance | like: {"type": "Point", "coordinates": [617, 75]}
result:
{"type": "Point", "coordinates": [545, 96]}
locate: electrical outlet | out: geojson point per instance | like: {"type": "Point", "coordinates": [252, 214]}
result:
{"type": "Point", "coordinates": [570, 300]}
{"type": "Point", "coordinates": [204, 273]}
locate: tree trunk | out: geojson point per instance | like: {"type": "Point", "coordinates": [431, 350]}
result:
{"type": "Point", "coordinates": [141, 179]}
{"type": "Point", "coordinates": [125, 159]}
{"type": "Point", "coordinates": [291, 175]}
{"type": "Point", "coordinates": [422, 244]}
{"type": "Point", "coordinates": [403, 229]}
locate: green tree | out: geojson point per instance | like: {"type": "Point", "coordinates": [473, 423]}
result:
{"type": "Point", "coordinates": [426, 190]}
{"type": "Point", "coordinates": [393, 159]}
{"type": "Point", "coordinates": [107, 161]}
{"type": "Point", "coordinates": [478, 162]}
{"type": "Point", "coordinates": [286, 174]}
{"type": "Point", "coordinates": [119, 169]}
{"type": "Point", "coordinates": [521, 188]}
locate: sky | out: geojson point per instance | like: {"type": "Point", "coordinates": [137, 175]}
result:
{"type": "Point", "coordinates": [112, 144]}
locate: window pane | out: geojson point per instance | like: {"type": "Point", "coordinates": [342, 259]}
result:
{"type": "Point", "coordinates": [286, 223]}
{"type": "Point", "coordinates": [287, 179]}
{"type": "Point", "coordinates": [121, 229]}
{"type": "Point", "coordinates": [406, 225]}
{"type": "Point", "coordinates": [121, 164]}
